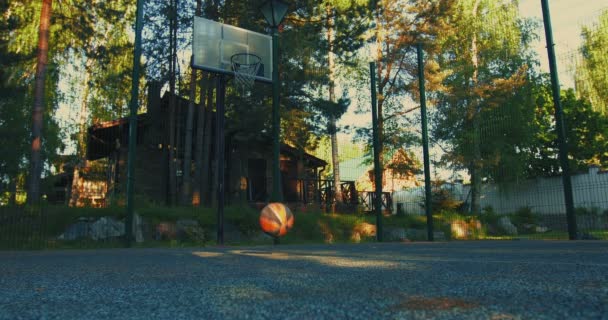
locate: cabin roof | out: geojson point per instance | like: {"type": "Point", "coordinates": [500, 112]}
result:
{"type": "Point", "coordinates": [106, 137]}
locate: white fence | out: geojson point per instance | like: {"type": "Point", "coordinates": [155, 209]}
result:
{"type": "Point", "coordinates": [542, 195]}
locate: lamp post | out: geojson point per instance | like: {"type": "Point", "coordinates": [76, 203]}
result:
{"type": "Point", "coordinates": [133, 106]}
{"type": "Point", "coordinates": [274, 11]}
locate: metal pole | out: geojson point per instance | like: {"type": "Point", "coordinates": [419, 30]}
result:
{"type": "Point", "coordinates": [560, 126]}
{"type": "Point", "coordinates": [376, 145]}
{"type": "Point", "coordinates": [277, 192]}
{"type": "Point", "coordinates": [133, 106]}
{"type": "Point", "coordinates": [425, 147]}
{"type": "Point", "coordinates": [221, 94]}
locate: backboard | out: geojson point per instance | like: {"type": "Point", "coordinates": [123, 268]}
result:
{"type": "Point", "coordinates": [214, 43]}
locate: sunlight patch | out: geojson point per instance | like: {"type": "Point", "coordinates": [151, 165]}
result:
{"type": "Point", "coordinates": [207, 254]}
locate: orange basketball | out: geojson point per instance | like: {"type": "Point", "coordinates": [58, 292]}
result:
{"type": "Point", "coordinates": [276, 219]}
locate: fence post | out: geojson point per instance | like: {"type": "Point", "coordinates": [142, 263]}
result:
{"type": "Point", "coordinates": [560, 126]}
{"type": "Point", "coordinates": [425, 147]}
{"type": "Point", "coordinates": [376, 144]}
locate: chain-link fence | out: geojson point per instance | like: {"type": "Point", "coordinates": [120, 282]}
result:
{"type": "Point", "coordinates": [495, 170]}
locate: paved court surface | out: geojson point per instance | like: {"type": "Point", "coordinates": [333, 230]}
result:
{"type": "Point", "coordinates": [457, 280]}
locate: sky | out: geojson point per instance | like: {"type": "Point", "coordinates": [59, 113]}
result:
{"type": "Point", "coordinates": [567, 17]}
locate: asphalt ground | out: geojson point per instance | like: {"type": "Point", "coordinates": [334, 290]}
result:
{"type": "Point", "coordinates": [453, 280]}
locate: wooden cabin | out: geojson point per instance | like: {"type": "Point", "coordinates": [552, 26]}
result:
{"type": "Point", "coordinates": [247, 168]}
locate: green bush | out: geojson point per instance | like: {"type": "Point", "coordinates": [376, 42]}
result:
{"type": "Point", "coordinates": [442, 199]}
{"type": "Point", "coordinates": [488, 216]}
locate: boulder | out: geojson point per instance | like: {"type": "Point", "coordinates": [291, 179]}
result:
{"type": "Point", "coordinates": [78, 230]}
{"type": "Point", "coordinates": [138, 227]}
{"type": "Point", "coordinates": [394, 234]}
{"type": "Point", "coordinates": [505, 224]}
{"type": "Point", "coordinates": [459, 229]}
{"type": "Point", "coordinates": [107, 227]}
{"type": "Point", "coordinates": [541, 229]}
{"type": "Point", "coordinates": [365, 229]}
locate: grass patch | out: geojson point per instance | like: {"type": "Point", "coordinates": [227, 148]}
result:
{"type": "Point", "coordinates": [38, 227]}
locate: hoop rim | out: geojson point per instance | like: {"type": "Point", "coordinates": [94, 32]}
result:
{"type": "Point", "coordinates": [236, 55]}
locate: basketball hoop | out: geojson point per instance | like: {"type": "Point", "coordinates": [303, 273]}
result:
{"type": "Point", "coordinates": [245, 67]}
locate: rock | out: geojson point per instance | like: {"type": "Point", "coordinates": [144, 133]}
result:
{"type": "Point", "coordinates": [394, 234]}
{"type": "Point", "coordinates": [165, 231]}
{"type": "Point", "coordinates": [189, 230]}
{"type": "Point", "coordinates": [505, 223]}
{"type": "Point", "coordinates": [459, 229]}
{"type": "Point", "coordinates": [329, 238]}
{"type": "Point", "coordinates": [107, 227]}
{"type": "Point", "coordinates": [541, 229]}
{"type": "Point", "coordinates": [80, 229]}
{"type": "Point", "coordinates": [416, 234]}
{"type": "Point", "coordinates": [365, 229]}
{"type": "Point", "coordinates": [138, 226]}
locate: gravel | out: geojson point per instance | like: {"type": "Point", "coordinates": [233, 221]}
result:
{"type": "Point", "coordinates": [455, 280]}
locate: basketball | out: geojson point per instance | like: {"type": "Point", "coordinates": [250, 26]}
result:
{"type": "Point", "coordinates": [276, 219]}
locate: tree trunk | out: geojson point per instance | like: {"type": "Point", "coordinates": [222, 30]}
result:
{"type": "Point", "coordinates": [179, 124]}
{"type": "Point", "coordinates": [333, 130]}
{"type": "Point", "coordinates": [33, 196]}
{"type": "Point", "coordinates": [82, 149]}
{"type": "Point", "coordinates": [188, 142]}
{"type": "Point", "coordinates": [187, 179]}
{"type": "Point", "coordinates": [172, 116]}
{"type": "Point", "coordinates": [197, 195]}
{"type": "Point", "coordinates": [475, 167]}
{"type": "Point", "coordinates": [200, 127]}
{"type": "Point", "coordinates": [380, 91]}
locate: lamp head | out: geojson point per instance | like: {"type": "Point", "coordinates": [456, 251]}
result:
{"type": "Point", "coordinates": [274, 11]}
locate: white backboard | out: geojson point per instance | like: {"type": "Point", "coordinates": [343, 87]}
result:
{"type": "Point", "coordinates": [214, 43]}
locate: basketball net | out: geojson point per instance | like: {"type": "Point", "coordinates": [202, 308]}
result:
{"type": "Point", "coordinates": [245, 67]}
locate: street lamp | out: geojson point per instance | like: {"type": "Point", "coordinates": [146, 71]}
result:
{"type": "Point", "coordinates": [274, 11]}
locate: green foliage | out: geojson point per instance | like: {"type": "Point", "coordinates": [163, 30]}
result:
{"type": "Point", "coordinates": [590, 75]}
{"type": "Point", "coordinates": [442, 199]}
{"type": "Point", "coordinates": [449, 216]}
{"type": "Point", "coordinates": [16, 89]}
{"type": "Point", "coordinates": [586, 134]}
{"type": "Point", "coordinates": [485, 109]}
{"type": "Point", "coordinates": [399, 27]}
{"type": "Point", "coordinates": [488, 216]}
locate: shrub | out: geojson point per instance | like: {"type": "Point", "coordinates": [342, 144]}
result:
{"type": "Point", "coordinates": [442, 199]}
{"type": "Point", "coordinates": [488, 216]}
